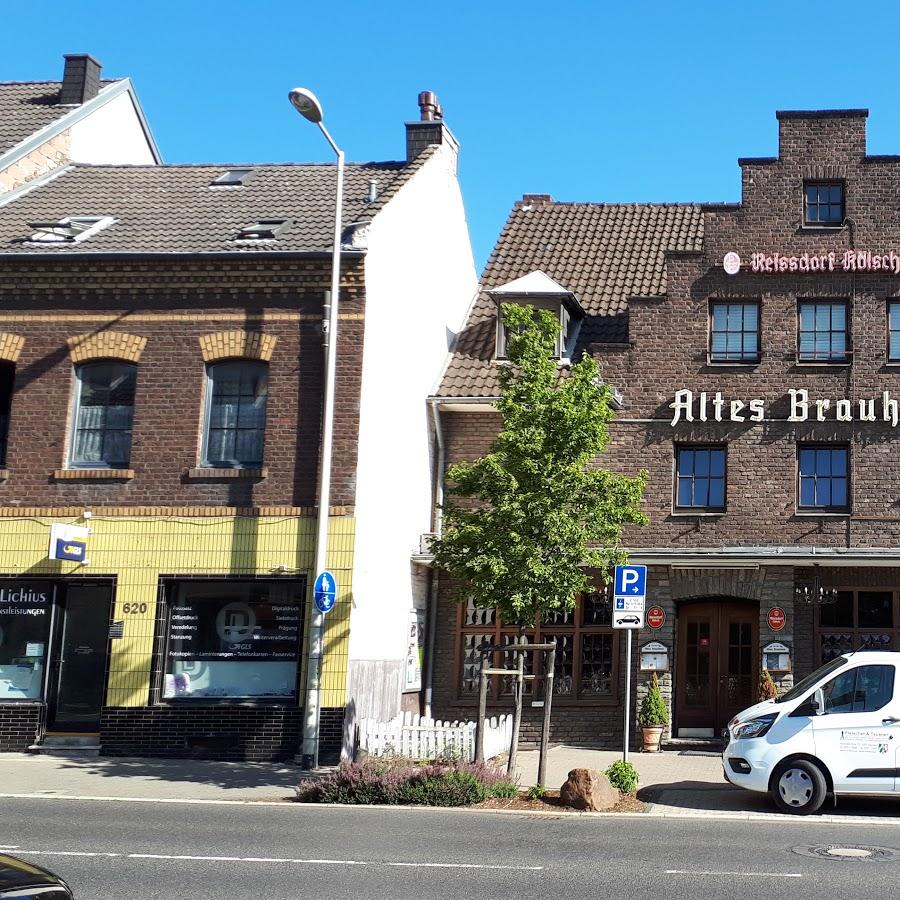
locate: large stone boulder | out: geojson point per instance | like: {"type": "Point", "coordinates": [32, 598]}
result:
{"type": "Point", "coordinates": [589, 790]}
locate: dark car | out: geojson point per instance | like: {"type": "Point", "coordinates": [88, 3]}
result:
{"type": "Point", "coordinates": [628, 620]}
{"type": "Point", "coordinates": [22, 881]}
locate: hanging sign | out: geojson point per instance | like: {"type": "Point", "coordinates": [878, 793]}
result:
{"type": "Point", "coordinates": [69, 542]}
{"type": "Point", "coordinates": [656, 617]}
{"type": "Point", "coordinates": [776, 618]}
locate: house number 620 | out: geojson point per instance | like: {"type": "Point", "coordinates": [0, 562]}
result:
{"type": "Point", "coordinates": [134, 608]}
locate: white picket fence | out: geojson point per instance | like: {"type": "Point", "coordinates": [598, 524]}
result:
{"type": "Point", "coordinates": [415, 737]}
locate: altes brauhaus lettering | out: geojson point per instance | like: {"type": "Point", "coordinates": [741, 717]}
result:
{"type": "Point", "coordinates": [713, 407]}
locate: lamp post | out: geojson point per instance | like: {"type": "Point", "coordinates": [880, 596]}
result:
{"type": "Point", "coordinates": [306, 103]}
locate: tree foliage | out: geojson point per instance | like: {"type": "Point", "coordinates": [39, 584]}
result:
{"type": "Point", "coordinates": [524, 522]}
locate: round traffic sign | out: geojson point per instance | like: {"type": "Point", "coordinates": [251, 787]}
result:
{"type": "Point", "coordinates": [656, 617]}
{"type": "Point", "coordinates": [776, 618]}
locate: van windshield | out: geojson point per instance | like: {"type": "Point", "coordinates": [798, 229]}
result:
{"type": "Point", "coordinates": [801, 687]}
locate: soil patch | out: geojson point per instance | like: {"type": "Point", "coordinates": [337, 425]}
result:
{"type": "Point", "coordinates": [550, 803]}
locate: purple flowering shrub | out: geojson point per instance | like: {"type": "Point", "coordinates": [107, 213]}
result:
{"type": "Point", "coordinates": [439, 783]}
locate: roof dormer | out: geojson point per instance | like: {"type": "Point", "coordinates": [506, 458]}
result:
{"type": "Point", "coordinates": [539, 291]}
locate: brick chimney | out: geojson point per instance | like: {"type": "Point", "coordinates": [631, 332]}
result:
{"type": "Point", "coordinates": [430, 129]}
{"type": "Point", "coordinates": [81, 79]}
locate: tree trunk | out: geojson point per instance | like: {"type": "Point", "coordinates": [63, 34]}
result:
{"type": "Point", "coordinates": [545, 727]}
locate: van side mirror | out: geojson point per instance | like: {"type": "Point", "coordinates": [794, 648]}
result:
{"type": "Point", "coordinates": [819, 701]}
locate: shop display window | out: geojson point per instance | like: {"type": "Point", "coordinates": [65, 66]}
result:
{"type": "Point", "coordinates": [25, 616]}
{"type": "Point", "coordinates": [229, 640]}
{"type": "Point", "coordinates": [586, 665]}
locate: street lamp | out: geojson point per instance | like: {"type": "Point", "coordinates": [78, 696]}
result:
{"type": "Point", "coordinates": [307, 104]}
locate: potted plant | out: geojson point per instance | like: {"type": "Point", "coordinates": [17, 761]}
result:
{"type": "Point", "coordinates": [653, 716]}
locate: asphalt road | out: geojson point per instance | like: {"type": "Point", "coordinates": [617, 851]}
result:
{"type": "Point", "coordinates": [144, 851]}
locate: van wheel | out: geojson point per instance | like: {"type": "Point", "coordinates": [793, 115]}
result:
{"type": "Point", "coordinates": [798, 786]}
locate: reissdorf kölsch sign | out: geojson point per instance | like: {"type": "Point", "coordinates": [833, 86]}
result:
{"type": "Point", "coordinates": [842, 261]}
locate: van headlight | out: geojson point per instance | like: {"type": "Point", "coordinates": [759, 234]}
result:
{"type": "Point", "coordinates": [754, 728]}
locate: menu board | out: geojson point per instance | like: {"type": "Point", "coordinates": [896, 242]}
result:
{"type": "Point", "coordinates": [202, 628]}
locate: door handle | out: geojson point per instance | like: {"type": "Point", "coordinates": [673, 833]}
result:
{"type": "Point", "coordinates": [890, 720]}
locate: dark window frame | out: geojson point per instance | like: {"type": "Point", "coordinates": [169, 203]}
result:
{"type": "Point", "coordinates": [831, 359]}
{"type": "Point", "coordinates": [829, 508]}
{"type": "Point", "coordinates": [856, 636]}
{"type": "Point", "coordinates": [712, 359]}
{"type": "Point", "coordinates": [706, 508]}
{"type": "Point", "coordinates": [7, 391]}
{"type": "Point", "coordinates": [892, 304]}
{"type": "Point", "coordinates": [206, 461]}
{"type": "Point", "coordinates": [818, 204]}
{"type": "Point", "coordinates": [572, 626]}
{"type": "Point", "coordinates": [75, 462]}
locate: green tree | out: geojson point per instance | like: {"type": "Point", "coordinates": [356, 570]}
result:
{"type": "Point", "coordinates": [538, 511]}
{"type": "Point", "coordinates": [524, 522]}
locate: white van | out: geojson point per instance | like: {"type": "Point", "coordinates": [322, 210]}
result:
{"type": "Point", "coordinates": [836, 731]}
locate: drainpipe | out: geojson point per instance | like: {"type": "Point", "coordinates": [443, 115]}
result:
{"type": "Point", "coordinates": [437, 523]}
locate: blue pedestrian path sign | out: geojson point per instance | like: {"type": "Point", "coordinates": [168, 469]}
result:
{"type": "Point", "coordinates": [630, 581]}
{"type": "Point", "coordinates": [324, 591]}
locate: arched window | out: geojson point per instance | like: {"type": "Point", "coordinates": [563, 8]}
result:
{"type": "Point", "coordinates": [104, 411]}
{"type": "Point", "coordinates": [235, 430]}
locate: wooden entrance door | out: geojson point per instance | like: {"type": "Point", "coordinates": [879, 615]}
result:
{"type": "Point", "coordinates": [718, 663]}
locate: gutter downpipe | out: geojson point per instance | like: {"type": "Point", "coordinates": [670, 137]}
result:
{"type": "Point", "coordinates": [433, 581]}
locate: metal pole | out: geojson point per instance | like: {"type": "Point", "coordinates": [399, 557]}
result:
{"type": "Point", "coordinates": [310, 754]}
{"type": "Point", "coordinates": [627, 694]}
{"type": "Point", "coordinates": [545, 726]}
{"type": "Point", "coordinates": [517, 712]}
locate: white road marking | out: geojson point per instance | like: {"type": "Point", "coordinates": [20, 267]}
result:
{"type": "Point", "coordinates": [737, 874]}
{"type": "Point", "coordinates": [282, 859]}
{"type": "Point", "coordinates": [9, 846]}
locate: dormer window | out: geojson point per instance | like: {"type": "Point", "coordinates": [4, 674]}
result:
{"type": "Point", "coordinates": [264, 230]}
{"type": "Point", "coordinates": [70, 230]}
{"type": "Point", "coordinates": [234, 178]}
{"type": "Point", "coordinates": [539, 291]}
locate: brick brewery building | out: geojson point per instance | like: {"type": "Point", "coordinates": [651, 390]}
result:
{"type": "Point", "coordinates": [756, 348]}
{"type": "Point", "coordinates": [161, 378]}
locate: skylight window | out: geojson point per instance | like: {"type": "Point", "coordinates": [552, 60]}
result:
{"type": "Point", "coordinates": [234, 178]}
{"type": "Point", "coordinates": [69, 230]}
{"type": "Point", "coordinates": [264, 229]}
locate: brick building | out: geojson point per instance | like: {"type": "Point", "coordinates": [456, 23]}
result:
{"type": "Point", "coordinates": [756, 349]}
{"type": "Point", "coordinates": [161, 378]}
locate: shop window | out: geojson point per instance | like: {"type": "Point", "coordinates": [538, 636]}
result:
{"type": "Point", "coordinates": [228, 640]}
{"type": "Point", "coordinates": [858, 620]}
{"type": "Point", "coordinates": [236, 396]}
{"type": "Point", "coordinates": [734, 332]}
{"type": "Point", "coordinates": [104, 410]}
{"type": "Point", "coordinates": [863, 689]}
{"type": "Point", "coordinates": [585, 670]}
{"type": "Point", "coordinates": [823, 332]}
{"type": "Point", "coordinates": [7, 377]}
{"type": "Point", "coordinates": [823, 203]}
{"type": "Point", "coordinates": [700, 478]}
{"type": "Point", "coordinates": [24, 637]}
{"type": "Point", "coordinates": [824, 478]}
{"type": "Point", "coordinates": [894, 331]}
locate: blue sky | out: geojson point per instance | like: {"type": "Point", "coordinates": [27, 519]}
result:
{"type": "Point", "coordinates": [584, 101]}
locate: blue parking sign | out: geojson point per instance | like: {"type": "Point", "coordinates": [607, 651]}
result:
{"type": "Point", "coordinates": [630, 581]}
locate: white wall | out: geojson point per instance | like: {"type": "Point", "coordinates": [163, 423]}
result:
{"type": "Point", "coordinates": [111, 134]}
{"type": "Point", "coordinates": [420, 280]}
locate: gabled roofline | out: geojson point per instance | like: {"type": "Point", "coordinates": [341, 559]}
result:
{"type": "Point", "coordinates": [67, 120]}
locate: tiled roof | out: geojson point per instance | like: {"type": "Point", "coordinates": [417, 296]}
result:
{"type": "Point", "coordinates": [603, 253]}
{"type": "Point", "coordinates": [173, 209]}
{"type": "Point", "coordinates": [27, 107]}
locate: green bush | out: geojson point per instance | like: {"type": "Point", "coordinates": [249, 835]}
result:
{"type": "Point", "coordinates": [536, 792]}
{"type": "Point", "coordinates": [622, 775]}
{"type": "Point", "coordinates": [653, 709]}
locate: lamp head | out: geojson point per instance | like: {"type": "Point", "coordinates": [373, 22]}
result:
{"type": "Point", "coordinates": [307, 104]}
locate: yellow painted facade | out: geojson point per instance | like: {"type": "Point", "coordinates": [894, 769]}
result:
{"type": "Point", "coordinates": [138, 550]}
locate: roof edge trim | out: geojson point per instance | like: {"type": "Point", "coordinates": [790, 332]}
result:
{"type": "Point", "coordinates": [855, 113]}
